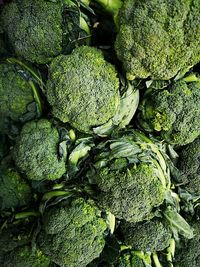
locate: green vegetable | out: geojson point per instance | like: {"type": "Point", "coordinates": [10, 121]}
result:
{"type": "Point", "coordinates": [130, 175]}
{"type": "Point", "coordinates": [14, 190]}
{"type": "Point", "coordinates": [25, 257]}
{"type": "Point", "coordinates": [36, 153]}
{"type": "Point", "coordinates": [72, 233]}
{"type": "Point", "coordinates": [158, 38]}
{"type": "Point", "coordinates": [44, 29]}
{"type": "Point", "coordinates": [189, 165]}
{"type": "Point", "coordinates": [148, 236]}
{"type": "Point", "coordinates": [20, 100]}
{"type": "Point", "coordinates": [188, 253]}
{"type": "Point", "coordinates": [16, 248]}
{"type": "Point", "coordinates": [83, 89]}
{"type": "Point", "coordinates": [173, 112]}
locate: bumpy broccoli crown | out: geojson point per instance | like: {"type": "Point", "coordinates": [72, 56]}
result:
{"type": "Point", "coordinates": [25, 257]}
{"type": "Point", "coordinates": [37, 35]}
{"type": "Point", "coordinates": [130, 177]}
{"type": "Point", "coordinates": [173, 112]}
{"type": "Point", "coordinates": [189, 165]}
{"type": "Point", "coordinates": [189, 253]}
{"type": "Point", "coordinates": [147, 236]}
{"type": "Point", "coordinates": [73, 234]}
{"type": "Point", "coordinates": [83, 89]}
{"type": "Point", "coordinates": [42, 28]}
{"type": "Point", "coordinates": [14, 191]}
{"type": "Point", "coordinates": [158, 38]}
{"type": "Point", "coordinates": [36, 152]}
{"type": "Point", "coordinates": [17, 95]}
{"type": "Point", "coordinates": [130, 259]}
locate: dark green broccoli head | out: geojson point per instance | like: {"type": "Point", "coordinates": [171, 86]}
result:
{"type": "Point", "coordinates": [189, 165]}
{"type": "Point", "coordinates": [14, 191]}
{"type": "Point", "coordinates": [158, 38]}
{"type": "Point", "coordinates": [36, 153]}
{"type": "Point", "coordinates": [26, 257]}
{"type": "Point", "coordinates": [149, 236]}
{"type": "Point", "coordinates": [39, 30]}
{"type": "Point", "coordinates": [72, 234]}
{"type": "Point", "coordinates": [130, 174]}
{"type": "Point", "coordinates": [173, 112]}
{"type": "Point", "coordinates": [189, 252]}
{"type": "Point", "coordinates": [83, 89]}
{"type": "Point", "coordinates": [15, 246]}
{"type": "Point", "coordinates": [19, 98]}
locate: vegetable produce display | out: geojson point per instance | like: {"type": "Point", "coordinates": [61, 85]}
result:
{"type": "Point", "coordinates": [100, 133]}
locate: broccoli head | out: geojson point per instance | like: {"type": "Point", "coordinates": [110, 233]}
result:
{"type": "Point", "coordinates": [43, 29]}
{"type": "Point", "coordinates": [36, 153]}
{"type": "Point", "coordinates": [130, 175]}
{"type": "Point", "coordinates": [26, 257]}
{"type": "Point", "coordinates": [129, 259]}
{"type": "Point", "coordinates": [84, 90]}
{"type": "Point", "coordinates": [19, 98]}
{"type": "Point", "coordinates": [149, 236]}
{"type": "Point", "coordinates": [15, 246]}
{"type": "Point", "coordinates": [14, 191]}
{"type": "Point", "coordinates": [158, 38]}
{"type": "Point", "coordinates": [173, 112]}
{"type": "Point", "coordinates": [188, 254]}
{"type": "Point", "coordinates": [72, 233]}
{"type": "Point", "coordinates": [189, 165]}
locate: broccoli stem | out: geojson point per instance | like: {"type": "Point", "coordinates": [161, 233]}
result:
{"type": "Point", "coordinates": [26, 214]}
{"type": "Point", "coordinates": [111, 6]}
{"type": "Point", "coordinates": [171, 252]}
{"type": "Point", "coordinates": [156, 260]}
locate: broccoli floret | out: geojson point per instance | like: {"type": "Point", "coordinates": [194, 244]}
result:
{"type": "Point", "coordinates": [72, 233]}
{"type": "Point", "coordinates": [19, 97]}
{"type": "Point", "coordinates": [36, 153]}
{"type": "Point", "coordinates": [173, 112]}
{"type": "Point", "coordinates": [15, 246]}
{"type": "Point", "coordinates": [189, 165]}
{"type": "Point", "coordinates": [25, 257]}
{"type": "Point", "coordinates": [14, 191]}
{"type": "Point", "coordinates": [158, 38]}
{"type": "Point", "coordinates": [149, 236]}
{"type": "Point", "coordinates": [129, 259]}
{"type": "Point", "coordinates": [188, 253]}
{"type": "Point", "coordinates": [43, 29]}
{"type": "Point", "coordinates": [130, 175]}
{"type": "Point", "coordinates": [84, 90]}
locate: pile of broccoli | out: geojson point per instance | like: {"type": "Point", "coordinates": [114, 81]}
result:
{"type": "Point", "coordinates": [99, 133]}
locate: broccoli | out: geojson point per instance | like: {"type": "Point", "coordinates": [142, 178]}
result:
{"type": "Point", "coordinates": [158, 38]}
{"type": "Point", "coordinates": [188, 254]}
{"type": "Point", "coordinates": [131, 176]}
{"type": "Point", "coordinates": [189, 165]}
{"type": "Point", "coordinates": [130, 259]}
{"type": "Point", "coordinates": [15, 247]}
{"type": "Point", "coordinates": [25, 257]}
{"type": "Point", "coordinates": [173, 112]}
{"type": "Point", "coordinates": [14, 191]}
{"type": "Point", "coordinates": [43, 29]}
{"type": "Point", "coordinates": [36, 152]}
{"type": "Point", "coordinates": [20, 100]}
{"type": "Point", "coordinates": [72, 233]}
{"type": "Point", "coordinates": [84, 90]}
{"type": "Point", "coordinates": [148, 236]}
